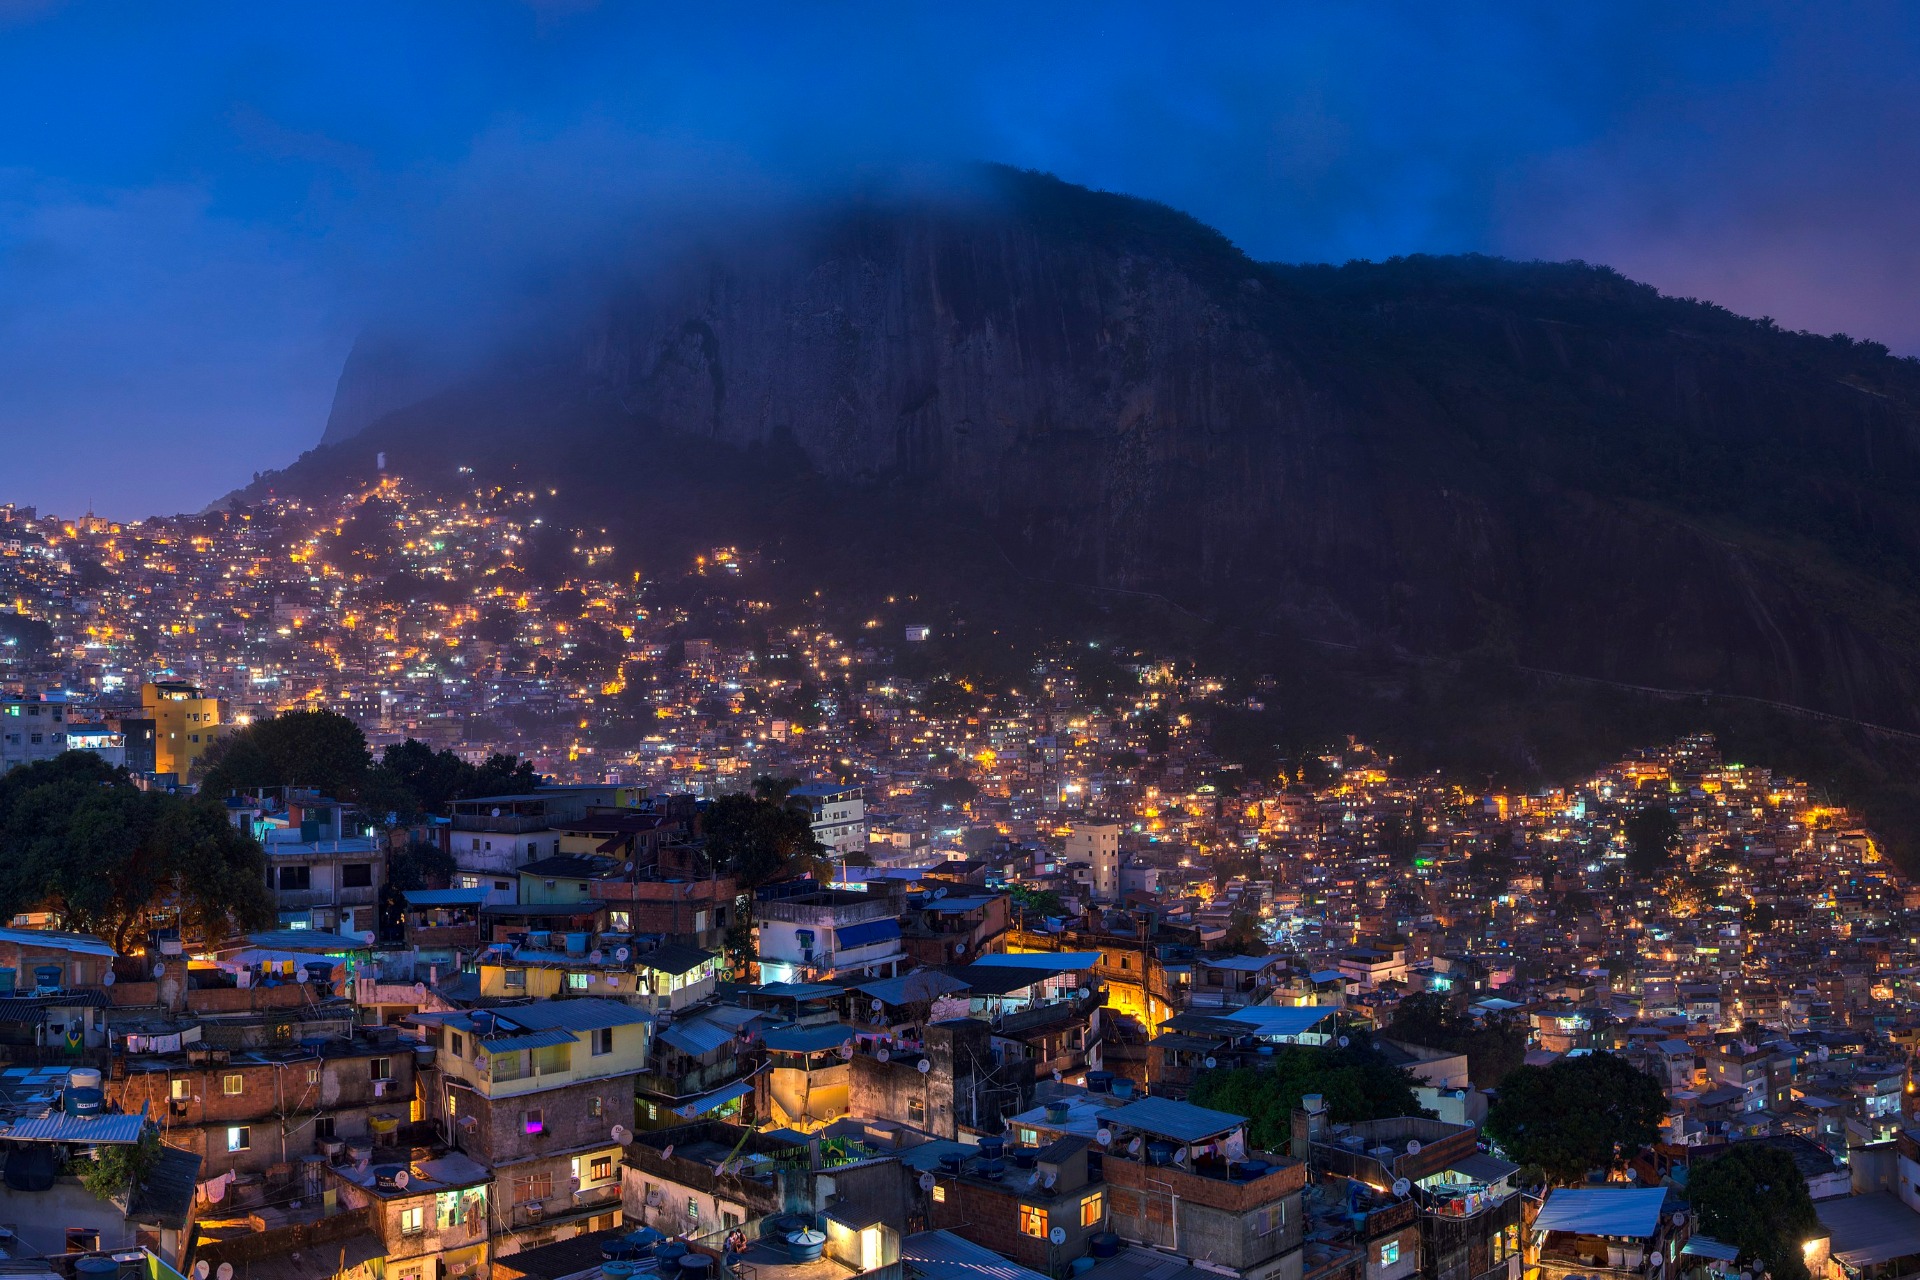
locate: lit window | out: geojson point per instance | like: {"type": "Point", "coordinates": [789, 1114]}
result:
{"type": "Point", "coordinates": [182, 1091]}
{"type": "Point", "coordinates": [239, 1138]}
{"type": "Point", "coordinates": [601, 1169]}
{"type": "Point", "coordinates": [535, 1120]}
{"type": "Point", "coordinates": [594, 1107]}
{"type": "Point", "coordinates": [1389, 1253]}
{"type": "Point", "coordinates": [413, 1221]}
{"type": "Point", "coordinates": [939, 1194]}
{"type": "Point", "coordinates": [231, 1084]}
{"type": "Point", "coordinates": [1090, 1210]}
{"type": "Point", "coordinates": [577, 981]}
{"type": "Point", "coordinates": [1033, 1220]}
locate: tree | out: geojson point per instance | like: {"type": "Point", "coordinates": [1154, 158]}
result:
{"type": "Point", "coordinates": [323, 750]}
{"type": "Point", "coordinates": [1037, 903]}
{"type": "Point", "coordinates": [77, 838]}
{"type": "Point", "coordinates": [758, 839]}
{"type": "Point", "coordinates": [1591, 1112]}
{"type": "Point", "coordinates": [117, 1170]}
{"type": "Point", "coordinates": [1357, 1082]}
{"type": "Point", "coordinates": [1494, 1048]}
{"type": "Point", "coordinates": [1755, 1198]}
{"type": "Point", "coordinates": [1651, 834]}
{"type": "Point", "coordinates": [1243, 936]}
{"type": "Point", "coordinates": [418, 866]}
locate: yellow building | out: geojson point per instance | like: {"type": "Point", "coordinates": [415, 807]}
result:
{"type": "Point", "coordinates": [185, 725]}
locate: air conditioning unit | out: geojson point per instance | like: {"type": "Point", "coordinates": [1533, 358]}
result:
{"type": "Point", "coordinates": [534, 1209]}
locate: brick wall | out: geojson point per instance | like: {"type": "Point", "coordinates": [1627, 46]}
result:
{"type": "Point", "coordinates": [568, 1119]}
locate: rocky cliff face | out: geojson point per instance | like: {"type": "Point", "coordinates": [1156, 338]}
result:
{"type": "Point", "coordinates": [1545, 462]}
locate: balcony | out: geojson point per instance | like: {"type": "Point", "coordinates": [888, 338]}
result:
{"type": "Point", "coordinates": [292, 899]}
{"type": "Point", "coordinates": [829, 910]}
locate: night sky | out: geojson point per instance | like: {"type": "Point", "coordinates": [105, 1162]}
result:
{"type": "Point", "coordinates": [201, 205]}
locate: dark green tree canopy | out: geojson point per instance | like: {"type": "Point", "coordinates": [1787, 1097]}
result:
{"type": "Point", "coordinates": [761, 837]}
{"type": "Point", "coordinates": [1652, 834]}
{"type": "Point", "coordinates": [323, 750]}
{"type": "Point", "coordinates": [1582, 1113]}
{"type": "Point", "coordinates": [79, 839]}
{"type": "Point", "coordinates": [1357, 1082]}
{"type": "Point", "coordinates": [1755, 1198]}
{"type": "Point", "coordinates": [1494, 1048]}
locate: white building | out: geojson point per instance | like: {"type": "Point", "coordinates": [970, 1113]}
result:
{"type": "Point", "coordinates": [828, 935]}
{"type": "Point", "coordinates": [1098, 845]}
{"type": "Point", "coordinates": [31, 729]}
{"type": "Point", "coordinates": [839, 815]}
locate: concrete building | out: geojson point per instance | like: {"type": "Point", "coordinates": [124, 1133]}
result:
{"type": "Point", "coordinates": [1098, 845]}
{"type": "Point", "coordinates": [817, 937]}
{"type": "Point", "coordinates": [839, 815]}
{"type": "Point", "coordinates": [186, 725]}
{"type": "Point", "coordinates": [31, 729]}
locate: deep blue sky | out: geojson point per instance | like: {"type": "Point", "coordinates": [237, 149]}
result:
{"type": "Point", "coordinates": [202, 204]}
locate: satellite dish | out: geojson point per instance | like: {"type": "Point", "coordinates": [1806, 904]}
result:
{"type": "Point", "coordinates": [225, 1272]}
{"type": "Point", "coordinates": [496, 811]}
{"type": "Point", "coordinates": [401, 1179]}
{"type": "Point", "coordinates": [367, 936]}
{"type": "Point", "coordinates": [1679, 1219]}
{"type": "Point", "coordinates": [1401, 1186]}
{"type": "Point", "coordinates": [160, 971]}
{"type": "Point", "coordinates": [926, 1182]}
{"type": "Point", "coordinates": [1104, 1137]}
{"type": "Point", "coordinates": [925, 1066]}
{"type": "Point", "coordinates": [1413, 1146]}
{"type": "Point", "coordinates": [1057, 1236]}
{"type": "Point", "coordinates": [1344, 1042]}
{"type": "Point", "coordinates": [1212, 1062]}
{"type": "Point", "coordinates": [595, 957]}
{"type": "Point", "coordinates": [480, 1061]}
{"type": "Point", "coordinates": [108, 980]}
{"type": "Point", "coordinates": [202, 1269]}
{"type": "Point", "coordinates": [1056, 1075]}
{"type": "Point", "coordinates": [885, 1055]}
{"type": "Point", "coordinates": [846, 1051]}
{"type": "Point", "coordinates": [622, 954]}
{"type": "Point", "coordinates": [1656, 1262]}
{"type": "Point", "coordinates": [666, 1152]}
{"type": "Point", "coordinates": [419, 991]}
{"type": "Point", "coordinates": [1134, 1146]}
{"type": "Point", "coordinates": [879, 1005]}
{"type": "Point", "coordinates": [959, 948]}
{"type": "Point", "coordinates": [621, 1134]}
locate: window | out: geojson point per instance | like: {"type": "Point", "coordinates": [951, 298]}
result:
{"type": "Point", "coordinates": [534, 1120]}
{"type": "Point", "coordinates": [515, 979]}
{"type": "Point", "coordinates": [537, 1186]}
{"type": "Point", "coordinates": [83, 1240]}
{"type": "Point", "coordinates": [323, 1128]}
{"type": "Point", "coordinates": [413, 1221]}
{"type": "Point", "coordinates": [1090, 1210]}
{"type": "Point", "coordinates": [693, 1211]}
{"type": "Point", "coordinates": [578, 981]}
{"type": "Point", "coordinates": [296, 878]}
{"type": "Point", "coordinates": [916, 1111]}
{"type": "Point", "coordinates": [501, 884]}
{"type": "Point", "coordinates": [313, 1075]}
{"type": "Point", "coordinates": [239, 1138]}
{"type": "Point", "coordinates": [232, 1084]}
{"type": "Point", "coordinates": [1033, 1220]}
{"type": "Point", "coordinates": [182, 1091]}
{"type": "Point", "coordinates": [603, 1041]}
{"type": "Point", "coordinates": [382, 1068]}
{"type": "Point", "coordinates": [1029, 1137]}
{"type": "Point", "coordinates": [594, 1107]}
{"type": "Point", "coordinates": [601, 1169]}
{"type": "Point", "coordinates": [456, 1045]}
{"type": "Point", "coordinates": [356, 875]}
{"type": "Point", "coordinates": [1389, 1253]}
{"type": "Point", "coordinates": [939, 1194]}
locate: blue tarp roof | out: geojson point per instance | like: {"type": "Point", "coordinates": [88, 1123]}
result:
{"type": "Point", "coordinates": [859, 935]}
{"type": "Point", "coordinates": [708, 1101]}
{"type": "Point", "coordinates": [1281, 1020]}
{"type": "Point", "coordinates": [1053, 961]}
{"type": "Point", "coordinates": [446, 897]}
{"type": "Point", "coordinates": [808, 1039]}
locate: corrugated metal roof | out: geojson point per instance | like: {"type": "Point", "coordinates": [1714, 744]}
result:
{"type": "Point", "coordinates": [921, 984]}
{"type": "Point", "coordinates": [941, 1255]}
{"type": "Point", "coordinates": [58, 1126]}
{"type": "Point", "coordinates": [583, 1013]}
{"type": "Point", "coordinates": [695, 1037]}
{"type": "Point", "coordinates": [866, 933]}
{"type": "Point", "coordinates": [674, 958]}
{"type": "Point", "coordinates": [1281, 1020]}
{"type": "Point", "coordinates": [83, 944]}
{"type": "Point", "coordinates": [707, 1102]}
{"type": "Point", "coordinates": [1633, 1212]}
{"type": "Point", "coordinates": [525, 1040]}
{"type": "Point", "coordinates": [1180, 1121]}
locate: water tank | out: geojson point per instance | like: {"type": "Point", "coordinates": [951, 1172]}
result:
{"type": "Point", "coordinates": [1105, 1244]}
{"type": "Point", "coordinates": [319, 971]}
{"type": "Point", "coordinates": [614, 1269]}
{"type": "Point", "coordinates": [83, 1078]}
{"type": "Point", "coordinates": [7, 977]}
{"type": "Point", "coordinates": [1024, 1157]}
{"type": "Point", "coordinates": [1099, 1082]}
{"type": "Point", "coordinates": [992, 1147]}
{"type": "Point", "coordinates": [1255, 1169]}
{"type": "Point", "coordinates": [806, 1246]}
{"type": "Point", "coordinates": [539, 939]}
{"type": "Point", "coordinates": [1160, 1152]}
{"type": "Point", "coordinates": [85, 1102]}
{"type": "Point", "coordinates": [696, 1266]}
{"type": "Point", "coordinates": [576, 944]}
{"type": "Point", "coordinates": [669, 1254]}
{"type": "Point", "coordinates": [423, 1055]}
{"type": "Point", "coordinates": [1082, 1265]}
{"type": "Point", "coordinates": [1122, 1087]}
{"type": "Point", "coordinates": [46, 976]}
{"type": "Point", "coordinates": [95, 1268]}
{"type": "Point", "coordinates": [1057, 1112]}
